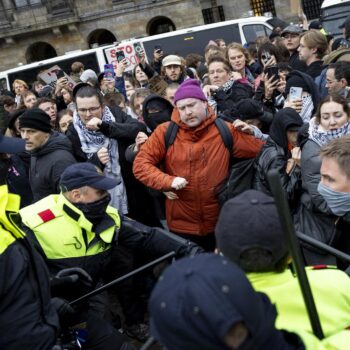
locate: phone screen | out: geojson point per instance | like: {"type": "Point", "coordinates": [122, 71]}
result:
{"type": "Point", "coordinates": [108, 72]}
{"type": "Point", "coordinates": [120, 55]}
{"type": "Point", "coordinates": [60, 74]}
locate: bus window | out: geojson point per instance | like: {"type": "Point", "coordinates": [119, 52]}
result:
{"type": "Point", "coordinates": [3, 84]}
{"type": "Point", "coordinates": [252, 31]}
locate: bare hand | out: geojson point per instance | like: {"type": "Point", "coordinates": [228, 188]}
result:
{"type": "Point", "coordinates": [120, 67]}
{"type": "Point", "coordinates": [103, 155]}
{"type": "Point", "coordinates": [244, 127]}
{"type": "Point", "coordinates": [269, 85]}
{"type": "Point", "coordinates": [270, 62]}
{"type": "Point", "coordinates": [179, 183]}
{"type": "Point", "coordinates": [296, 155]}
{"type": "Point", "coordinates": [236, 76]}
{"type": "Point", "coordinates": [209, 89]}
{"type": "Point", "coordinates": [141, 138]}
{"type": "Point", "coordinates": [296, 104]}
{"type": "Point", "coordinates": [94, 124]}
{"type": "Point", "coordinates": [290, 166]}
{"type": "Point", "coordinates": [171, 195]}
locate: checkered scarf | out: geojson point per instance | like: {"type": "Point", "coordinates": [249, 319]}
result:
{"type": "Point", "coordinates": [321, 137]}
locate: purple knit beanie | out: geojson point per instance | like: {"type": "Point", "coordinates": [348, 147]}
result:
{"type": "Point", "coordinates": [190, 88]}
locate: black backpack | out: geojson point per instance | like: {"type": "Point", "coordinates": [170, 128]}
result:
{"type": "Point", "coordinates": [241, 170]}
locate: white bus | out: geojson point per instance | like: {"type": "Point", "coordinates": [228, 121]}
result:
{"type": "Point", "coordinates": [181, 42]}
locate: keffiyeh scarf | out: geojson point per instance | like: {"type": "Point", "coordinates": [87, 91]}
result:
{"type": "Point", "coordinates": [91, 142]}
{"type": "Point", "coordinates": [322, 137]}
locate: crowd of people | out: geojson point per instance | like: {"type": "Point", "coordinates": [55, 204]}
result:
{"type": "Point", "coordinates": [100, 179]}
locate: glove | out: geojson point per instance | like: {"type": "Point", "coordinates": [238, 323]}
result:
{"type": "Point", "coordinates": [71, 282]}
{"type": "Point", "coordinates": [64, 311]}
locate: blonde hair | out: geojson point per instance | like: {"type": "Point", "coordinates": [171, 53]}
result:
{"type": "Point", "coordinates": [239, 47]}
{"type": "Point", "coordinates": [19, 81]}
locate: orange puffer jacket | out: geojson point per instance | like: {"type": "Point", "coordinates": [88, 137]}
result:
{"type": "Point", "coordinates": [198, 155]}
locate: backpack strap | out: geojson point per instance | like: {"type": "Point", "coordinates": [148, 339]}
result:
{"type": "Point", "coordinates": [170, 134]}
{"type": "Point", "coordinates": [225, 134]}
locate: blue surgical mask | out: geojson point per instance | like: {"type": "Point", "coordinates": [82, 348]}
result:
{"type": "Point", "coordinates": [338, 202]}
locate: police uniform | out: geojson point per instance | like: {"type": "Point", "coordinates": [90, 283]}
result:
{"type": "Point", "coordinates": [66, 238]}
{"type": "Point", "coordinates": [27, 317]}
{"type": "Point", "coordinates": [331, 291]}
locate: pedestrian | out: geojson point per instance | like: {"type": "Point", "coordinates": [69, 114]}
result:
{"type": "Point", "coordinates": [194, 165]}
{"type": "Point", "coordinates": [50, 152]}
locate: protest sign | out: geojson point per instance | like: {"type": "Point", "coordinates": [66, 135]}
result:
{"type": "Point", "coordinates": [51, 75]}
{"type": "Point", "coordinates": [130, 51]}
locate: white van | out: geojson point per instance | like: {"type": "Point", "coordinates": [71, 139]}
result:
{"type": "Point", "coordinates": [181, 42]}
{"type": "Point", "coordinates": [333, 14]}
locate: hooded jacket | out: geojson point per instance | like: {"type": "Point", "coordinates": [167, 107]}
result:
{"type": "Point", "coordinates": [198, 155]}
{"type": "Point", "coordinates": [152, 120]}
{"type": "Point", "coordinates": [47, 164]}
{"type": "Point", "coordinates": [275, 155]}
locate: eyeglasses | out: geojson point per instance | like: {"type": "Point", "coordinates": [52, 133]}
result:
{"type": "Point", "coordinates": [90, 110]}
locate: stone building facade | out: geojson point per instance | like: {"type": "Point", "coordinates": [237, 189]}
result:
{"type": "Point", "coordinates": [32, 30]}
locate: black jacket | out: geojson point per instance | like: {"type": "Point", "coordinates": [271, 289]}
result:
{"type": "Point", "coordinates": [124, 130]}
{"type": "Point", "coordinates": [295, 62]}
{"type": "Point", "coordinates": [313, 217]}
{"type": "Point", "coordinates": [47, 164]}
{"type": "Point", "coordinates": [227, 100]}
{"type": "Point", "coordinates": [315, 69]}
{"type": "Point", "coordinates": [275, 154]}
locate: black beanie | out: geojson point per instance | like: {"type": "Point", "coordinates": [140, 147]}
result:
{"type": "Point", "coordinates": [35, 118]}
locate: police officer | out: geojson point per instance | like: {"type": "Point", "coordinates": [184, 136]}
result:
{"type": "Point", "coordinates": [250, 234]}
{"type": "Point", "coordinates": [77, 228]}
{"type": "Point", "coordinates": [28, 318]}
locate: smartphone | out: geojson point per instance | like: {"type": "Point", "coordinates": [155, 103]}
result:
{"type": "Point", "coordinates": [108, 72]}
{"type": "Point", "coordinates": [272, 71]}
{"type": "Point", "coordinates": [138, 49]}
{"type": "Point", "coordinates": [60, 74]}
{"type": "Point", "coordinates": [265, 56]}
{"type": "Point", "coordinates": [120, 55]}
{"type": "Point", "coordinates": [295, 93]}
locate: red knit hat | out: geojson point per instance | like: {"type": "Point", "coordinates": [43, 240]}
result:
{"type": "Point", "coordinates": [190, 88]}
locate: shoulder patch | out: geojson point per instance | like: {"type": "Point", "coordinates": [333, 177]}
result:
{"type": "Point", "coordinates": [46, 215]}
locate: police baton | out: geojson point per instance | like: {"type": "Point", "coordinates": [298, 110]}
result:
{"type": "Point", "coordinates": [122, 278]}
{"type": "Point", "coordinates": [322, 246]}
{"type": "Point", "coordinates": [288, 227]}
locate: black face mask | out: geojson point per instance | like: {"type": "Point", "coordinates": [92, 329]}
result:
{"type": "Point", "coordinates": [94, 211]}
{"type": "Point", "coordinates": [154, 119]}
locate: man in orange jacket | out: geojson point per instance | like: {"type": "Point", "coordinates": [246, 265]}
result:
{"type": "Point", "coordinates": [194, 165]}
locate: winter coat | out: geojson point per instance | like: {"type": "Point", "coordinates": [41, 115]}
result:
{"type": "Point", "coordinates": [275, 155]}
{"type": "Point", "coordinates": [227, 99]}
{"type": "Point", "coordinates": [198, 155]}
{"type": "Point", "coordinates": [48, 163]}
{"type": "Point", "coordinates": [313, 217]}
{"type": "Point", "coordinates": [124, 130]}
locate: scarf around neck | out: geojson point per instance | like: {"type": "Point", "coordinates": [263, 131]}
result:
{"type": "Point", "coordinates": [322, 137]}
{"type": "Point", "coordinates": [91, 142]}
